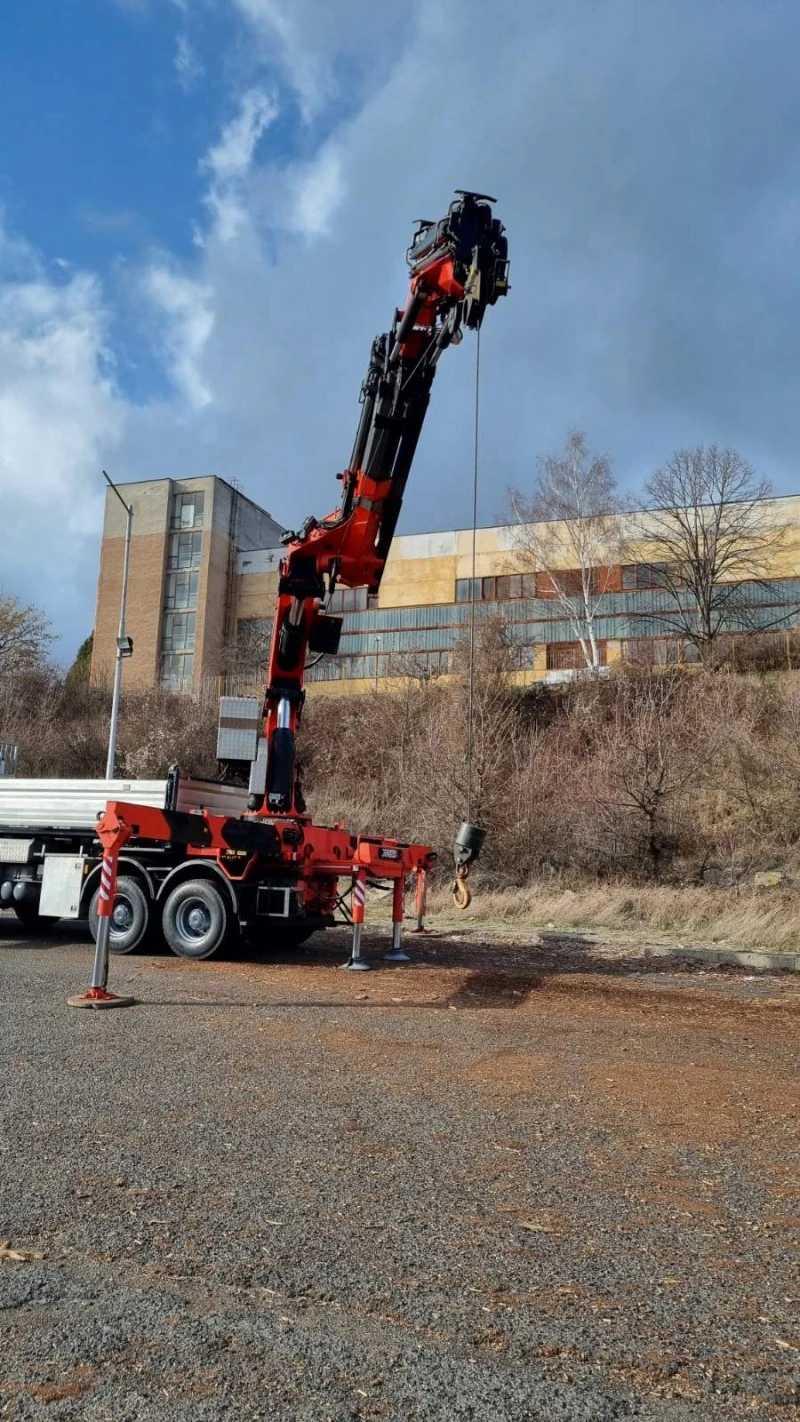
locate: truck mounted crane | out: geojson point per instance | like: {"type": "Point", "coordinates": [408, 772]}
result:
{"type": "Point", "coordinates": [267, 871]}
{"type": "Point", "coordinates": [459, 266]}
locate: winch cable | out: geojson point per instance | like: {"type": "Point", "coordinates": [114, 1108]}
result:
{"type": "Point", "coordinates": [471, 688]}
{"type": "Point", "coordinates": [461, 894]}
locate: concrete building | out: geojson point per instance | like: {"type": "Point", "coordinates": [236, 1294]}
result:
{"type": "Point", "coordinates": [182, 581]}
{"type": "Point", "coordinates": [204, 577]}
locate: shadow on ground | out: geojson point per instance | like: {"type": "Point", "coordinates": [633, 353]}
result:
{"type": "Point", "coordinates": [494, 974]}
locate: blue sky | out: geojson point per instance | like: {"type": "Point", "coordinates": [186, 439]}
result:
{"type": "Point", "coordinates": [204, 206]}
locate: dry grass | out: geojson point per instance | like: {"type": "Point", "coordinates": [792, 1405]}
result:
{"type": "Point", "coordinates": [745, 917]}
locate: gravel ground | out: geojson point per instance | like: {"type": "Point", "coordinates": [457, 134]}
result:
{"type": "Point", "coordinates": [509, 1182]}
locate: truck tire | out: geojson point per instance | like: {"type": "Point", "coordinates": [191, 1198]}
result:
{"type": "Point", "coordinates": [29, 916]}
{"type": "Point", "coordinates": [196, 921]}
{"type": "Point", "coordinates": [130, 919]}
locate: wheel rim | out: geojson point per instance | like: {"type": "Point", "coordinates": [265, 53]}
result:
{"type": "Point", "coordinates": [121, 917]}
{"type": "Point", "coordinates": [193, 920]}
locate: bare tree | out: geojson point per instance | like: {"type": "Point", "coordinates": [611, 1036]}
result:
{"type": "Point", "coordinates": [649, 753]}
{"type": "Point", "coordinates": [714, 538]}
{"type": "Point", "coordinates": [24, 635]}
{"type": "Point", "coordinates": [247, 658]}
{"type": "Point", "coordinates": [568, 529]}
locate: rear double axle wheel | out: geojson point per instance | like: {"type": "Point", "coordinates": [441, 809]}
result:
{"type": "Point", "coordinates": [196, 921]}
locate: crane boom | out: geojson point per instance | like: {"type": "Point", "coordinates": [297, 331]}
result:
{"type": "Point", "coordinates": [459, 267]}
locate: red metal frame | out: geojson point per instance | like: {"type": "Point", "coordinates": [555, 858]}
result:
{"type": "Point", "coordinates": [324, 856]}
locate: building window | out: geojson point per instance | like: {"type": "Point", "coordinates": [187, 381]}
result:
{"type": "Point", "coordinates": [568, 656]}
{"type": "Point", "coordinates": [187, 511]}
{"type": "Point", "coordinates": [645, 575]}
{"type": "Point", "coordinates": [568, 582]}
{"type": "Point", "coordinates": [178, 632]}
{"type": "Point", "coordinates": [181, 590]}
{"type": "Point", "coordinates": [177, 669]}
{"type": "Point", "coordinates": [502, 588]}
{"type": "Point", "coordinates": [659, 651]}
{"type": "Point", "coordinates": [185, 550]}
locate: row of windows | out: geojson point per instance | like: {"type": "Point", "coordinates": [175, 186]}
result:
{"type": "Point", "coordinates": [414, 665]}
{"type": "Point", "coordinates": [502, 588]}
{"type": "Point", "coordinates": [374, 668]}
{"type": "Point", "coordinates": [641, 651]}
{"type": "Point", "coordinates": [508, 586]}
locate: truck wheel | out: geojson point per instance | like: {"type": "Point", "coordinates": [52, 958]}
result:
{"type": "Point", "coordinates": [29, 917]}
{"type": "Point", "coordinates": [130, 918]}
{"type": "Point", "coordinates": [196, 920]}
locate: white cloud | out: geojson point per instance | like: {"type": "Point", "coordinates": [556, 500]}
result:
{"type": "Point", "coordinates": [187, 64]}
{"type": "Point", "coordinates": [185, 315]}
{"type": "Point", "coordinates": [228, 162]}
{"type": "Point", "coordinates": [61, 421]}
{"type": "Point", "coordinates": [307, 70]}
{"type": "Point", "coordinates": [328, 52]}
{"type": "Point", "coordinates": [317, 191]}
{"type": "Point", "coordinates": [232, 156]}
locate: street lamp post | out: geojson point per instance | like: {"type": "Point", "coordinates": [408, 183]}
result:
{"type": "Point", "coordinates": [124, 643]}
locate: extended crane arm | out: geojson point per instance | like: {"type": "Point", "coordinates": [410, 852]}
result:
{"type": "Point", "coordinates": [459, 266]}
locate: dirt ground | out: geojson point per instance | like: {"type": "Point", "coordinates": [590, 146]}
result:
{"type": "Point", "coordinates": [510, 1180]}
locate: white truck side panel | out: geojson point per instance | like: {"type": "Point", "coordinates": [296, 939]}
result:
{"type": "Point", "coordinates": [70, 804]}
{"type": "Point", "coordinates": [62, 881]}
{"type": "Point", "coordinates": [76, 804]}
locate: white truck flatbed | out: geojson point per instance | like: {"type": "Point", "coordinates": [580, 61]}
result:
{"type": "Point", "coordinates": [29, 805]}
{"type": "Point", "coordinates": [49, 853]}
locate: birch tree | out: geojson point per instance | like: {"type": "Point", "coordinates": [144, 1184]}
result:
{"type": "Point", "coordinates": [567, 529]}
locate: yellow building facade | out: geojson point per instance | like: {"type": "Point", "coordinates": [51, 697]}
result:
{"type": "Point", "coordinates": [424, 604]}
{"type": "Point", "coordinates": [204, 578]}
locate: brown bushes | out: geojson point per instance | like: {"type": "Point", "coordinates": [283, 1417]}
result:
{"type": "Point", "coordinates": [61, 725]}
{"type": "Point", "coordinates": [661, 775]}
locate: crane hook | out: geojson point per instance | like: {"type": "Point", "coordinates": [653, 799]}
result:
{"type": "Point", "coordinates": [462, 898]}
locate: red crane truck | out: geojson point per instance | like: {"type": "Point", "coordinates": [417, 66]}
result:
{"type": "Point", "coordinates": [200, 872]}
